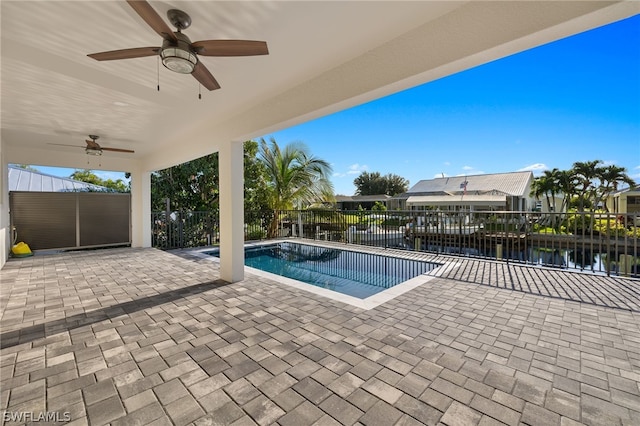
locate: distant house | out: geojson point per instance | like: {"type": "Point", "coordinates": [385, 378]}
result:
{"type": "Point", "coordinates": [353, 202]}
{"type": "Point", "coordinates": [498, 191]}
{"type": "Point", "coordinates": [542, 204]}
{"type": "Point", "coordinates": [625, 201]}
{"type": "Point", "coordinates": [33, 181]}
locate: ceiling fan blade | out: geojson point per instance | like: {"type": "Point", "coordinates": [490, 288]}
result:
{"type": "Point", "coordinates": [117, 149]}
{"type": "Point", "coordinates": [230, 47]}
{"type": "Point", "coordinates": [151, 17]}
{"type": "Point", "coordinates": [202, 74]}
{"type": "Point", "coordinates": [137, 52]}
{"type": "Point", "coordinates": [64, 144]}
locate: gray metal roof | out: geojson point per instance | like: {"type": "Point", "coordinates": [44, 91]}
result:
{"type": "Point", "coordinates": [631, 189]}
{"type": "Point", "coordinates": [26, 180]}
{"type": "Point", "coordinates": [514, 183]}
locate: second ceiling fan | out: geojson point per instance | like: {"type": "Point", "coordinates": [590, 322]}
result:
{"type": "Point", "coordinates": [177, 52]}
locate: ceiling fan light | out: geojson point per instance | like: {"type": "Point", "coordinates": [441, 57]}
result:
{"type": "Point", "coordinates": [91, 151]}
{"type": "Point", "coordinates": [178, 60]}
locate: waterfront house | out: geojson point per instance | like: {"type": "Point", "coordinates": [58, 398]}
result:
{"type": "Point", "coordinates": [484, 192]}
{"type": "Point", "coordinates": [625, 201]}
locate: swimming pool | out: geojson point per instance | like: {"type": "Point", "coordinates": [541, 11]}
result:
{"type": "Point", "coordinates": [356, 274]}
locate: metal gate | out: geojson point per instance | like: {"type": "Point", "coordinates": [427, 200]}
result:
{"type": "Point", "coordinates": [66, 220]}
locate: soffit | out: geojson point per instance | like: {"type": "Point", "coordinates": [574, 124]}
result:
{"type": "Point", "coordinates": [324, 56]}
{"type": "Point", "coordinates": [450, 200]}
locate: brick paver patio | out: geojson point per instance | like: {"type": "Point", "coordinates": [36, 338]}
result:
{"type": "Point", "coordinates": [140, 336]}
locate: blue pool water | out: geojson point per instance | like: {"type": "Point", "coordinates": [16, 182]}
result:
{"type": "Point", "coordinates": [355, 274]}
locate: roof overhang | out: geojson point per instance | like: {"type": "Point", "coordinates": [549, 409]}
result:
{"type": "Point", "coordinates": [325, 56]}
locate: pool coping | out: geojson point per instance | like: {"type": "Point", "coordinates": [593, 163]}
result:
{"type": "Point", "coordinates": [367, 303]}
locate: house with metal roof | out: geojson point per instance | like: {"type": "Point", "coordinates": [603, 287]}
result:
{"type": "Point", "coordinates": [625, 201]}
{"type": "Point", "coordinates": [498, 191]}
{"type": "Point", "coordinates": [26, 180]}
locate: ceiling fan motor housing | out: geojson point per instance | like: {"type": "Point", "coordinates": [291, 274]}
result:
{"type": "Point", "coordinates": [178, 56]}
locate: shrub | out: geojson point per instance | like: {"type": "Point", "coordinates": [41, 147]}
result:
{"type": "Point", "coordinates": [255, 234]}
{"type": "Point", "coordinates": [613, 228]}
{"type": "Point", "coordinates": [578, 223]}
{"type": "Point", "coordinates": [329, 220]}
{"type": "Point", "coordinates": [379, 207]}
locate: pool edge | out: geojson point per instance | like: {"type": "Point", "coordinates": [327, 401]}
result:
{"type": "Point", "coordinates": [368, 303]}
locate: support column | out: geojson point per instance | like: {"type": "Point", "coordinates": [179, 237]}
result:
{"type": "Point", "coordinates": [231, 169]}
{"type": "Point", "coordinates": [5, 228]}
{"type": "Point", "coordinates": [140, 209]}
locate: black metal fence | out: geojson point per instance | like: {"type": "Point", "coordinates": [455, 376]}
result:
{"type": "Point", "coordinates": [598, 242]}
{"type": "Point", "coordinates": [184, 229]}
{"type": "Point", "coordinates": [181, 229]}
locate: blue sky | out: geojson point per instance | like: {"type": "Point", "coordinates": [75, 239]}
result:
{"type": "Point", "coordinates": [576, 99]}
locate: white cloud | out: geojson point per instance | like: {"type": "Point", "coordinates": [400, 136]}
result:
{"type": "Point", "coordinates": [536, 168]}
{"type": "Point", "coordinates": [440, 175]}
{"type": "Point", "coordinates": [470, 170]}
{"type": "Point", "coordinates": [447, 163]}
{"type": "Point", "coordinates": [475, 172]}
{"type": "Point", "coordinates": [356, 169]}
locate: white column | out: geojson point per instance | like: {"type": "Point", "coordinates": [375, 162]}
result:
{"type": "Point", "coordinates": [231, 169]}
{"type": "Point", "coordinates": [140, 209]}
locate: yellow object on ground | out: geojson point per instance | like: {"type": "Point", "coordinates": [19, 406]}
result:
{"type": "Point", "coordinates": [21, 250]}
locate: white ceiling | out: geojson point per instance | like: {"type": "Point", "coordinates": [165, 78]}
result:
{"type": "Point", "coordinates": [324, 56]}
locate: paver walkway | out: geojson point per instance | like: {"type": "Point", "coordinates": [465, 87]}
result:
{"type": "Point", "coordinates": [140, 336]}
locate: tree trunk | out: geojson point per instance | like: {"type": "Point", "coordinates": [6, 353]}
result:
{"type": "Point", "coordinates": [273, 226]}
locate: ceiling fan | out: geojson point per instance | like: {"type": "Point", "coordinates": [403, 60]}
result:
{"type": "Point", "coordinates": [178, 53]}
{"type": "Point", "coordinates": [93, 148]}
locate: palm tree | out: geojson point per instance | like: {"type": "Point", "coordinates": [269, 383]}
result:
{"type": "Point", "coordinates": [565, 182]}
{"type": "Point", "coordinates": [586, 172]}
{"type": "Point", "coordinates": [551, 184]}
{"type": "Point", "coordinates": [543, 186]}
{"type": "Point", "coordinates": [610, 176]}
{"type": "Point", "coordinates": [295, 178]}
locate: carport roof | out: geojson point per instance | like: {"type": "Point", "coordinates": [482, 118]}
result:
{"type": "Point", "coordinates": [33, 181]}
